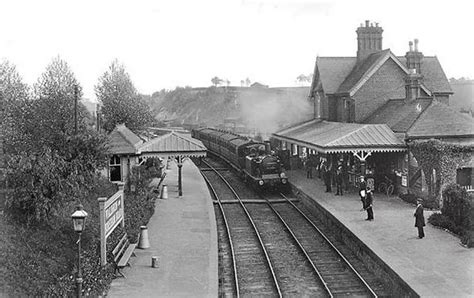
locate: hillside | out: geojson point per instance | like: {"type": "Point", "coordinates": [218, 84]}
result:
{"type": "Point", "coordinates": [260, 108]}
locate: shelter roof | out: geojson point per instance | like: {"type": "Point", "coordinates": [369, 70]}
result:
{"type": "Point", "coordinates": [332, 137]}
{"type": "Point", "coordinates": [123, 141]}
{"type": "Point", "coordinates": [173, 144]}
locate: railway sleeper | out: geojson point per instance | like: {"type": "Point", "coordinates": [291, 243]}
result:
{"type": "Point", "coordinates": [255, 201]}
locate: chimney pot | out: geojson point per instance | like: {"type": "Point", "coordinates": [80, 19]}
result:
{"type": "Point", "coordinates": [410, 44]}
{"type": "Point", "coordinates": [376, 24]}
{"type": "Point", "coordinates": [367, 23]}
{"type": "Point", "coordinates": [416, 44]}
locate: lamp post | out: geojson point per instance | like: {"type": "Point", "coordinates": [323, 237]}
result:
{"type": "Point", "coordinates": [79, 220]}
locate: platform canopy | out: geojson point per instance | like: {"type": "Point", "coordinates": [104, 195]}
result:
{"type": "Point", "coordinates": [172, 145]}
{"type": "Point", "coordinates": [338, 137]}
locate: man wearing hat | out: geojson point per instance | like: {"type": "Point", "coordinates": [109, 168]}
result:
{"type": "Point", "coordinates": [419, 218]}
{"type": "Point", "coordinates": [369, 199]}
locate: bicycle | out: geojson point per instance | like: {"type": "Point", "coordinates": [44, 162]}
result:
{"type": "Point", "coordinates": [387, 187]}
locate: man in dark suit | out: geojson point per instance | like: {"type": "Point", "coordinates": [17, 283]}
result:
{"type": "Point", "coordinates": [369, 200]}
{"type": "Point", "coordinates": [339, 179]}
{"type": "Point", "coordinates": [419, 218]}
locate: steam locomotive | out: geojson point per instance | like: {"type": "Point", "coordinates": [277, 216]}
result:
{"type": "Point", "coordinates": [251, 159]}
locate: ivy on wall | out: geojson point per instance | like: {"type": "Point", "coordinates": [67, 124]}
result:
{"type": "Point", "coordinates": [444, 158]}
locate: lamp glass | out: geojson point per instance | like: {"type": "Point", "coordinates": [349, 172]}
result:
{"type": "Point", "coordinates": [79, 219]}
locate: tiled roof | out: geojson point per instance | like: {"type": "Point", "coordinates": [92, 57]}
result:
{"type": "Point", "coordinates": [333, 71]}
{"type": "Point", "coordinates": [399, 114]}
{"type": "Point", "coordinates": [360, 70]}
{"type": "Point", "coordinates": [331, 137]}
{"type": "Point", "coordinates": [434, 77]}
{"type": "Point", "coordinates": [439, 120]}
{"type": "Point", "coordinates": [173, 144]}
{"type": "Point", "coordinates": [341, 74]}
{"type": "Point", "coordinates": [123, 141]}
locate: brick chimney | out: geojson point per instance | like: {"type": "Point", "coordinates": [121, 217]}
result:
{"type": "Point", "coordinates": [414, 58]}
{"type": "Point", "coordinates": [413, 84]}
{"type": "Point", "coordinates": [369, 40]}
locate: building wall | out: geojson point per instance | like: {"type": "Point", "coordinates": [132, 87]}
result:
{"type": "Point", "coordinates": [387, 83]}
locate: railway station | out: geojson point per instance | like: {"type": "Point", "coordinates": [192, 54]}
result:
{"type": "Point", "coordinates": [184, 237]}
{"type": "Point", "coordinates": [355, 180]}
{"type": "Point", "coordinates": [356, 128]}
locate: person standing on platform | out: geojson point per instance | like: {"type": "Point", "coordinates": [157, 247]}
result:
{"type": "Point", "coordinates": [362, 190]}
{"type": "Point", "coordinates": [309, 168]}
{"type": "Point", "coordinates": [339, 179]}
{"type": "Point", "coordinates": [419, 218]}
{"type": "Point", "coordinates": [326, 177]}
{"type": "Point", "coordinates": [369, 200]}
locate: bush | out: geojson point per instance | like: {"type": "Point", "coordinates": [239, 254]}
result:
{"type": "Point", "coordinates": [456, 205]}
{"type": "Point", "coordinates": [139, 197]}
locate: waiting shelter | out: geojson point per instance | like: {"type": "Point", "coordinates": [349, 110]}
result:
{"type": "Point", "coordinates": [347, 144]}
{"type": "Point", "coordinates": [126, 150]}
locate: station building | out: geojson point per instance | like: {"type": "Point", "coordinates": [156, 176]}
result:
{"type": "Point", "coordinates": [369, 108]}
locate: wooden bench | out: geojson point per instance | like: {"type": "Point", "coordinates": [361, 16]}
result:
{"type": "Point", "coordinates": [122, 253]}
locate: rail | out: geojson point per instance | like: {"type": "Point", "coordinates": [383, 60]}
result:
{"type": "Point", "coordinates": [234, 264]}
{"type": "Point", "coordinates": [267, 257]}
{"type": "Point", "coordinates": [370, 290]}
{"type": "Point", "coordinates": [308, 258]}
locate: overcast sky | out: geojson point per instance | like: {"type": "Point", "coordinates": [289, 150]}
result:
{"type": "Point", "coordinates": [164, 44]}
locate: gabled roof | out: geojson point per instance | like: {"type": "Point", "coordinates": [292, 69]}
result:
{"type": "Point", "coordinates": [123, 141]}
{"type": "Point", "coordinates": [333, 71]}
{"type": "Point", "coordinates": [440, 121]}
{"type": "Point", "coordinates": [332, 137]}
{"type": "Point", "coordinates": [345, 75]}
{"type": "Point", "coordinates": [399, 114]}
{"type": "Point", "coordinates": [434, 77]}
{"type": "Point", "coordinates": [362, 68]}
{"type": "Point", "coordinates": [173, 144]}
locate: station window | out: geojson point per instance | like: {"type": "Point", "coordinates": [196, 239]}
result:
{"type": "Point", "coordinates": [115, 169]}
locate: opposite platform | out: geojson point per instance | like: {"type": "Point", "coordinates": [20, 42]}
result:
{"type": "Point", "coordinates": [183, 235]}
{"type": "Point", "coordinates": [435, 266]}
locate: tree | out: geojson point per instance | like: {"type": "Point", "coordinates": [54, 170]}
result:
{"type": "Point", "coordinates": [216, 81]}
{"type": "Point", "coordinates": [242, 82]}
{"type": "Point", "coordinates": [302, 79]}
{"type": "Point", "coordinates": [13, 105]}
{"type": "Point", "coordinates": [49, 164]}
{"type": "Point", "coordinates": [247, 82]}
{"type": "Point", "coordinates": [120, 101]}
{"type": "Point", "coordinates": [55, 96]}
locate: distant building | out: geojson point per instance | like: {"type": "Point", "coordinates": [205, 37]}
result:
{"type": "Point", "coordinates": [258, 85]}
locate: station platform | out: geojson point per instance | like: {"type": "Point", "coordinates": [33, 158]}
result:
{"type": "Point", "coordinates": [435, 266]}
{"type": "Point", "coordinates": [182, 234]}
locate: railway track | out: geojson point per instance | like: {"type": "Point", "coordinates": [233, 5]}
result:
{"type": "Point", "coordinates": [300, 258]}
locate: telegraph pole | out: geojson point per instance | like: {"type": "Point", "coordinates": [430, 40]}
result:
{"type": "Point", "coordinates": [75, 108]}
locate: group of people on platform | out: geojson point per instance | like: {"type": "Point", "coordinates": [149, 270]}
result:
{"type": "Point", "coordinates": [325, 170]}
{"type": "Point", "coordinates": [365, 192]}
